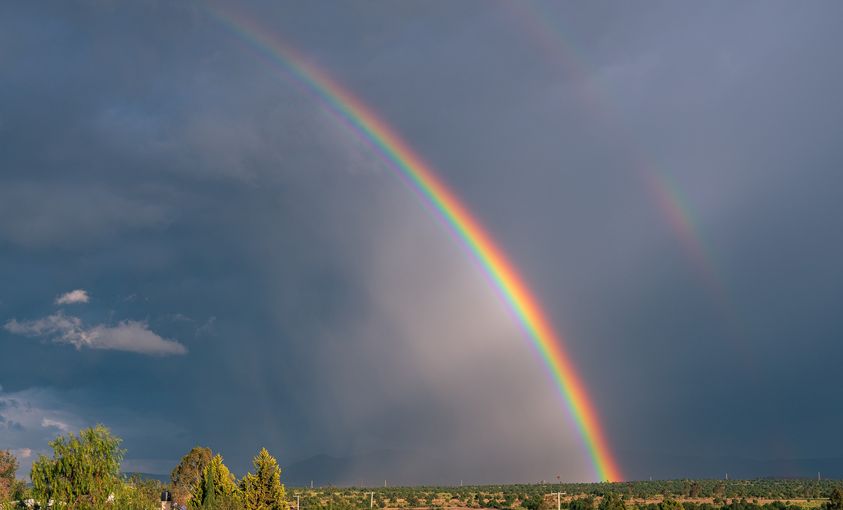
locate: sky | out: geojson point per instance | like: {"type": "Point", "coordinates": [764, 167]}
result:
{"type": "Point", "coordinates": [195, 250]}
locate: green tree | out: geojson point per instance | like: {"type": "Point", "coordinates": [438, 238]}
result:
{"type": "Point", "coordinates": [669, 504]}
{"type": "Point", "coordinates": [137, 493]}
{"type": "Point", "coordinates": [8, 468]}
{"type": "Point", "coordinates": [186, 476]}
{"type": "Point", "coordinates": [694, 490]}
{"type": "Point", "coordinates": [579, 504]}
{"type": "Point", "coordinates": [264, 490]}
{"type": "Point", "coordinates": [612, 502]}
{"type": "Point", "coordinates": [83, 473]}
{"type": "Point", "coordinates": [216, 490]}
{"type": "Point", "coordinates": [835, 499]}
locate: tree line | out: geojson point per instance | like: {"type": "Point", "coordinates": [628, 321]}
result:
{"type": "Point", "coordinates": [84, 474]}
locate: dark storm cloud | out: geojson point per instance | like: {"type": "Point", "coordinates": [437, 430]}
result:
{"type": "Point", "coordinates": [154, 160]}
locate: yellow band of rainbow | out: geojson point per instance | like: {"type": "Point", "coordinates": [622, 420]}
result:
{"type": "Point", "coordinates": [502, 273]}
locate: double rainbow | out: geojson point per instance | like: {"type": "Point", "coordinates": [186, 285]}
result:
{"type": "Point", "coordinates": [397, 154]}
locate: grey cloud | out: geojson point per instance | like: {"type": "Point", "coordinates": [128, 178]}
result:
{"type": "Point", "coordinates": [129, 336]}
{"type": "Point", "coordinates": [8, 403]}
{"type": "Point", "coordinates": [38, 215]}
{"type": "Point", "coordinates": [49, 412]}
{"type": "Point", "coordinates": [12, 425]}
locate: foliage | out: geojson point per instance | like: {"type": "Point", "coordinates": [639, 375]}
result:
{"type": "Point", "coordinates": [186, 476]}
{"type": "Point", "coordinates": [835, 499]}
{"type": "Point", "coordinates": [8, 468]}
{"type": "Point", "coordinates": [582, 504]}
{"type": "Point", "coordinates": [532, 502]}
{"type": "Point", "coordinates": [670, 504]}
{"type": "Point", "coordinates": [138, 494]}
{"type": "Point", "coordinates": [217, 489]}
{"type": "Point", "coordinates": [612, 502]}
{"type": "Point", "coordinates": [83, 473]}
{"type": "Point", "coordinates": [639, 495]}
{"type": "Point", "coordinates": [263, 490]}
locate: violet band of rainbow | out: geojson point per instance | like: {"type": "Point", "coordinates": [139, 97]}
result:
{"type": "Point", "coordinates": [504, 276]}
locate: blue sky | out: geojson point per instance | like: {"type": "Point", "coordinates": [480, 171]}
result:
{"type": "Point", "coordinates": [253, 275]}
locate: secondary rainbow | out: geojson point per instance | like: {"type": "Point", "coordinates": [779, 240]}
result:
{"type": "Point", "coordinates": [543, 28]}
{"type": "Point", "coordinates": [502, 273]}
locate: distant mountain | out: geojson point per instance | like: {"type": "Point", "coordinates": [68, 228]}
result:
{"type": "Point", "coordinates": [148, 476]}
{"type": "Point", "coordinates": [412, 468]}
{"type": "Point", "coordinates": [641, 466]}
{"type": "Point", "coordinates": [370, 469]}
{"type": "Point", "coordinates": [321, 469]}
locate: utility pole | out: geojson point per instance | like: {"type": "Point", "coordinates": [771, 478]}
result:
{"type": "Point", "coordinates": [372, 499]}
{"type": "Point", "coordinates": [298, 503]}
{"type": "Point", "coordinates": [558, 501]}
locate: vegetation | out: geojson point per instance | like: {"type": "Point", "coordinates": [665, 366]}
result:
{"type": "Point", "coordinates": [835, 499]}
{"type": "Point", "coordinates": [217, 489]}
{"type": "Point", "coordinates": [613, 502]}
{"type": "Point", "coordinates": [84, 474]}
{"type": "Point", "coordinates": [187, 474]}
{"type": "Point", "coordinates": [263, 490]}
{"type": "Point", "coordinates": [9, 486]}
{"type": "Point", "coordinates": [8, 468]}
{"type": "Point", "coordinates": [136, 493]}
{"type": "Point", "coordinates": [644, 495]}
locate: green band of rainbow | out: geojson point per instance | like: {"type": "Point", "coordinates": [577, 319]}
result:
{"type": "Point", "coordinates": [506, 279]}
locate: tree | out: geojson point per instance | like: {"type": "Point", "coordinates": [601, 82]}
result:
{"type": "Point", "coordinates": [186, 476]}
{"type": "Point", "coordinates": [835, 499]}
{"type": "Point", "coordinates": [83, 473]}
{"type": "Point", "coordinates": [264, 490]}
{"type": "Point", "coordinates": [581, 504]}
{"type": "Point", "coordinates": [612, 502]}
{"type": "Point", "coordinates": [137, 493]}
{"type": "Point", "coordinates": [669, 504]}
{"type": "Point", "coordinates": [216, 490]}
{"type": "Point", "coordinates": [8, 468]}
{"type": "Point", "coordinates": [694, 490]}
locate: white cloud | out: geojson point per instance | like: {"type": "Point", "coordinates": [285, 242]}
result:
{"type": "Point", "coordinates": [22, 453]}
{"type": "Point", "coordinates": [48, 423]}
{"type": "Point", "coordinates": [129, 336]}
{"type": "Point", "coordinates": [207, 328]}
{"type": "Point", "coordinates": [74, 296]}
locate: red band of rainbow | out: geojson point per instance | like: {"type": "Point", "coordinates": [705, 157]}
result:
{"type": "Point", "coordinates": [502, 273]}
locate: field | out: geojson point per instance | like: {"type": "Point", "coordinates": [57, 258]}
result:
{"type": "Point", "coordinates": [649, 495]}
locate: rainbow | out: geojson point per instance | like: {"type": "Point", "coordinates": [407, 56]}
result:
{"type": "Point", "coordinates": [542, 27]}
{"type": "Point", "coordinates": [422, 178]}
{"type": "Point", "coordinates": [677, 213]}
